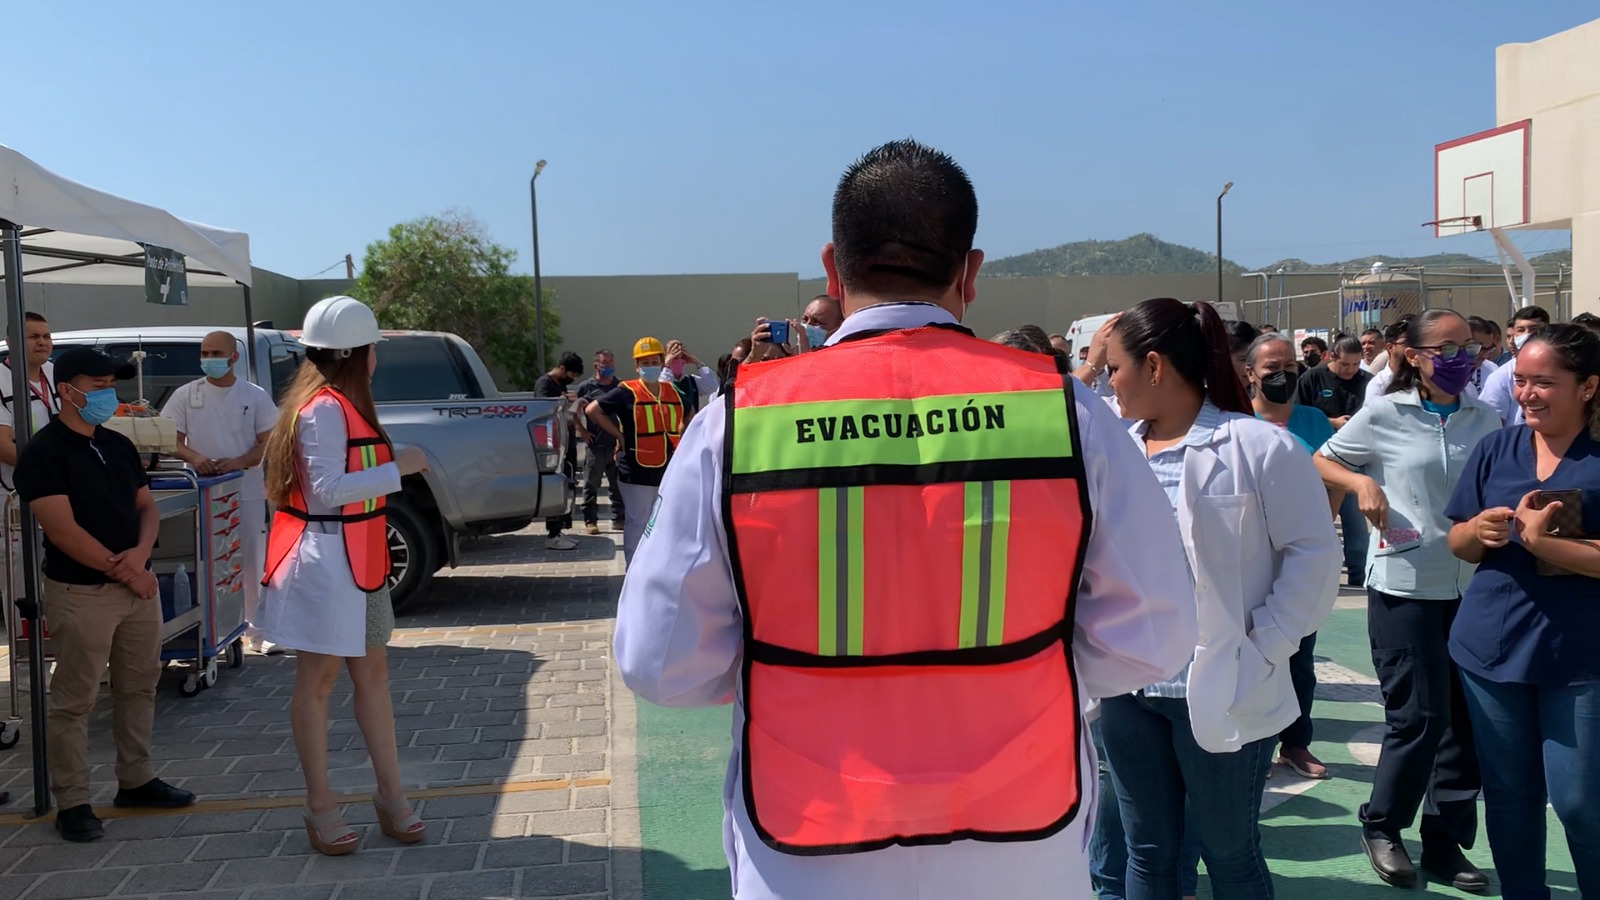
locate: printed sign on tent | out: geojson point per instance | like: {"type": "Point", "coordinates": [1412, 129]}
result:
{"type": "Point", "coordinates": [166, 279]}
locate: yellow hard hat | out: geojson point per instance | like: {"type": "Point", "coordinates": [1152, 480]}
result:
{"type": "Point", "coordinates": [648, 346]}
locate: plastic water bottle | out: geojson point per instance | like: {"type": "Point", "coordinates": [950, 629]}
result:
{"type": "Point", "coordinates": [181, 601]}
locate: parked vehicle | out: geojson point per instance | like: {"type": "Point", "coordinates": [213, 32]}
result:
{"type": "Point", "coordinates": [1081, 332]}
{"type": "Point", "coordinates": [494, 457]}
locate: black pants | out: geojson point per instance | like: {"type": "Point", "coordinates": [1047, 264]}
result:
{"type": "Point", "coordinates": [569, 468]}
{"type": "Point", "coordinates": [1303, 672]}
{"type": "Point", "coordinates": [1427, 749]}
{"type": "Point", "coordinates": [600, 463]}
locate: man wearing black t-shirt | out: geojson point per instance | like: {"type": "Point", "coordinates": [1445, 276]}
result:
{"type": "Point", "coordinates": [88, 490]}
{"type": "Point", "coordinates": [557, 384]}
{"type": "Point", "coordinates": [1337, 390]}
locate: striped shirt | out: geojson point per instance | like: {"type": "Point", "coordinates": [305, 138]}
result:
{"type": "Point", "coordinates": [1168, 468]}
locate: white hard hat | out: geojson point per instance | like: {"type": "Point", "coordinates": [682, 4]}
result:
{"type": "Point", "coordinates": [340, 323]}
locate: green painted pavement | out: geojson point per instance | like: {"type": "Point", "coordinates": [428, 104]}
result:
{"type": "Point", "coordinates": [1311, 840]}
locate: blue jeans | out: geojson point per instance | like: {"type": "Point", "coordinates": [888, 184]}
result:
{"type": "Point", "coordinates": [1160, 772]}
{"type": "Point", "coordinates": [1537, 744]}
{"type": "Point", "coordinates": [1353, 526]}
{"type": "Point", "coordinates": [1108, 846]}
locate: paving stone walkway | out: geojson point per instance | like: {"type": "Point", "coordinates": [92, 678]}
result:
{"type": "Point", "coordinates": [502, 689]}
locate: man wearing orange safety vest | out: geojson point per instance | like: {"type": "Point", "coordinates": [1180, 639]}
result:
{"type": "Point", "coordinates": [912, 559]}
{"type": "Point", "coordinates": [645, 417]}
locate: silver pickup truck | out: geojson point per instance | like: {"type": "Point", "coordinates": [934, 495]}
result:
{"type": "Point", "coordinates": [494, 458]}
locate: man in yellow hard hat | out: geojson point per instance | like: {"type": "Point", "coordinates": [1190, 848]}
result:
{"type": "Point", "coordinates": [651, 417]}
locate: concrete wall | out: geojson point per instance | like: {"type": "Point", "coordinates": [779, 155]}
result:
{"type": "Point", "coordinates": [709, 313]}
{"type": "Point", "coordinates": [1556, 83]}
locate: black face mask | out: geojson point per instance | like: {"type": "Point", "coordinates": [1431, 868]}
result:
{"type": "Point", "coordinates": [1279, 386]}
{"type": "Point", "coordinates": [1313, 360]}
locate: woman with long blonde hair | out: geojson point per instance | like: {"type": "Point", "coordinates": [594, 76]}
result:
{"type": "Point", "coordinates": [329, 466]}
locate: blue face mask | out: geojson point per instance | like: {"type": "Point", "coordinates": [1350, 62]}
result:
{"type": "Point", "coordinates": [98, 406]}
{"type": "Point", "coordinates": [606, 371]}
{"type": "Point", "coordinates": [215, 368]}
{"type": "Point", "coordinates": [816, 335]}
{"type": "Point", "coordinates": [650, 373]}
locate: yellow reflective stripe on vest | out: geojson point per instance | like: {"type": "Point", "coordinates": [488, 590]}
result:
{"type": "Point", "coordinates": [948, 429]}
{"type": "Point", "coordinates": [369, 460]}
{"type": "Point", "coordinates": [985, 532]}
{"type": "Point", "coordinates": [840, 582]}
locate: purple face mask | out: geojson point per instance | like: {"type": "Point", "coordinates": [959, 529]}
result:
{"type": "Point", "coordinates": [1451, 375]}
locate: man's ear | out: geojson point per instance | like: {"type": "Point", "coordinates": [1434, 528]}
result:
{"type": "Point", "coordinates": [835, 288]}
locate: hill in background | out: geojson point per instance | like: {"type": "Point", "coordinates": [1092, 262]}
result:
{"type": "Point", "coordinates": [1146, 254]}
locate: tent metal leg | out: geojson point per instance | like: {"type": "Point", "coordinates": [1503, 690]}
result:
{"type": "Point", "coordinates": [27, 604]}
{"type": "Point", "coordinates": [250, 336]}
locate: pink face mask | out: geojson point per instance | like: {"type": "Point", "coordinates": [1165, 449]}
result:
{"type": "Point", "coordinates": [676, 368]}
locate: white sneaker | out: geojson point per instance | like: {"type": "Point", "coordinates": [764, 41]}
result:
{"type": "Point", "coordinates": [562, 542]}
{"type": "Point", "coordinates": [265, 648]}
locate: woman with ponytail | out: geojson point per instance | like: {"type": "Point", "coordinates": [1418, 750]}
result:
{"type": "Point", "coordinates": [1265, 573]}
{"type": "Point", "coordinates": [1401, 456]}
{"type": "Point", "coordinates": [1527, 511]}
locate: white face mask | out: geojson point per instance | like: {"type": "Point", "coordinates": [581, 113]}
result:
{"type": "Point", "coordinates": [1521, 339]}
{"type": "Point", "coordinates": [961, 288]}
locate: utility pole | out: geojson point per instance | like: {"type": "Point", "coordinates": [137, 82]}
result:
{"type": "Point", "coordinates": [1225, 189]}
{"type": "Point", "coordinates": [538, 288]}
{"type": "Point", "coordinates": [349, 267]}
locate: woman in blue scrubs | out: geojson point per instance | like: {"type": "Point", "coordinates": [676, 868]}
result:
{"type": "Point", "coordinates": [1525, 639]}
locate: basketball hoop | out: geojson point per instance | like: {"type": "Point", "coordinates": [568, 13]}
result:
{"type": "Point", "coordinates": [1464, 223]}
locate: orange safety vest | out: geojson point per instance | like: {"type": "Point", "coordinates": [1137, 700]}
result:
{"type": "Point", "coordinates": [657, 423]}
{"type": "Point", "coordinates": [906, 517]}
{"type": "Point", "coordinates": [364, 523]}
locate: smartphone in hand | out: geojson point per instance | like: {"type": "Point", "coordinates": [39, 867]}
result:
{"type": "Point", "coordinates": [778, 331]}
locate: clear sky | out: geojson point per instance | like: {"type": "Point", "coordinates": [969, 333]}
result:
{"type": "Point", "coordinates": [707, 136]}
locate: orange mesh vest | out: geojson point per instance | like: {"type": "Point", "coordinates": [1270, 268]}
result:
{"type": "Point", "coordinates": [906, 518]}
{"type": "Point", "coordinates": [365, 527]}
{"type": "Point", "coordinates": [657, 423]}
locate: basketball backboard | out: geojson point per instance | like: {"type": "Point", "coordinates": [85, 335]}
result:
{"type": "Point", "coordinates": [1481, 181]}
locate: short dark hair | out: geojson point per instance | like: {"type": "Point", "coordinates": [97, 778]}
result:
{"type": "Point", "coordinates": [1396, 330]}
{"type": "Point", "coordinates": [1479, 323]}
{"type": "Point", "coordinates": [1240, 336]}
{"type": "Point", "coordinates": [31, 316]}
{"type": "Point", "coordinates": [1193, 339]}
{"type": "Point", "coordinates": [1346, 345]}
{"type": "Point", "coordinates": [1314, 341]}
{"type": "Point", "coordinates": [572, 362]}
{"type": "Point", "coordinates": [1587, 320]}
{"type": "Point", "coordinates": [903, 217]}
{"type": "Point", "coordinates": [1372, 331]}
{"type": "Point", "coordinates": [1530, 314]}
{"type": "Point", "coordinates": [604, 352]}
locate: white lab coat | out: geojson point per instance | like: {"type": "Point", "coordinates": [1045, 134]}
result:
{"type": "Point", "coordinates": [679, 643]}
{"type": "Point", "coordinates": [1254, 519]}
{"type": "Point", "coordinates": [313, 602]}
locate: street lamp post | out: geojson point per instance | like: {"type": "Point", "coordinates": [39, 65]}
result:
{"type": "Point", "coordinates": [538, 287]}
{"type": "Point", "coordinates": [1225, 189]}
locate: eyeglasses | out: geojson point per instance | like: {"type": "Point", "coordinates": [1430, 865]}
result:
{"type": "Point", "coordinates": [1449, 351]}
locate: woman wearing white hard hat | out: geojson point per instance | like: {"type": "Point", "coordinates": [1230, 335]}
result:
{"type": "Point", "coordinates": [329, 467]}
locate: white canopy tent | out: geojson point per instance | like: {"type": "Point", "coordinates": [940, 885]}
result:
{"type": "Point", "coordinates": [56, 230]}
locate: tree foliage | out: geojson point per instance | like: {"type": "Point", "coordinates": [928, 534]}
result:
{"type": "Point", "coordinates": [443, 273]}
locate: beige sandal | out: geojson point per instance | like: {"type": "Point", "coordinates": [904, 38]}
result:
{"type": "Point", "coordinates": [398, 820]}
{"type": "Point", "coordinates": [329, 834]}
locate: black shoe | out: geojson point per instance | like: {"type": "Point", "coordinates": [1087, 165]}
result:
{"type": "Point", "coordinates": [79, 824]}
{"type": "Point", "coordinates": [1389, 858]}
{"type": "Point", "coordinates": [157, 794]}
{"type": "Point", "coordinates": [1450, 865]}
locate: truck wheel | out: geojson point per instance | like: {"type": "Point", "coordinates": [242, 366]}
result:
{"type": "Point", "coordinates": [413, 555]}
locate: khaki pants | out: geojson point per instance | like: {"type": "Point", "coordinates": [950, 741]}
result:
{"type": "Point", "coordinates": [90, 627]}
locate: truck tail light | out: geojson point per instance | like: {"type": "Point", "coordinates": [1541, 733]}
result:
{"type": "Point", "coordinates": [546, 442]}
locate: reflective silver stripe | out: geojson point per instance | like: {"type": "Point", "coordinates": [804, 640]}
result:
{"type": "Point", "coordinates": [841, 549]}
{"type": "Point", "coordinates": [985, 561]}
